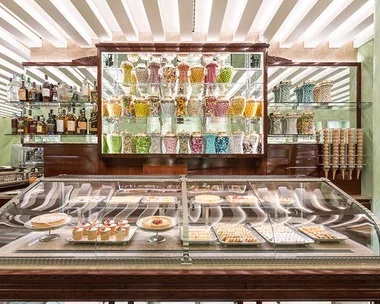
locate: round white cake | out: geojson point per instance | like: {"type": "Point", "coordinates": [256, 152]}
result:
{"type": "Point", "coordinates": [49, 220]}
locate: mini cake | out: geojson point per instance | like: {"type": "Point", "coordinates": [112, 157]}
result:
{"type": "Point", "coordinates": [122, 223]}
{"type": "Point", "coordinates": [109, 222]}
{"type": "Point", "coordinates": [127, 229]}
{"type": "Point", "coordinates": [207, 199]}
{"type": "Point", "coordinates": [120, 234]}
{"type": "Point", "coordinates": [92, 233]}
{"type": "Point", "coordinates": [77, 233]}
{"type": "Point", "coordinates": [105, 233]}
{"type": "Point", "coordinates": [113, 228]}
{"type": "Point", "coordinates": [49, 220]}
{"type": "Point", "coordinates": [156, 222]}
{"type": "Point", "coordinates": [85, 226]}
{"type": "Point", "coordinates": [94, 223]}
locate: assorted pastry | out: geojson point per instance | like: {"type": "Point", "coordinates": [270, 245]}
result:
{"type": "Point", "coordinates": [281, 234]}
{"type": "Point", "coordinates": [159, 199]}
{"type": "Point", "coordinates": [240, 199]}
{"type": "Point", "coordinates": [201, 235]}
{"type": "Point", "coordinates": [235, 233]}
{"type": "Point", "coordinates": [216, 188]}
{"type": "Point", "coordinates": [318, 232]}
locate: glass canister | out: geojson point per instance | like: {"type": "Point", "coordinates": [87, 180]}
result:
{"type": "Point", "coordinates": [183, 138]}
{"type": "Point", "coordinates": [196, 142]}
{"type": "Point", "coordinates": [237, 105]}
{"type": "Point", "coordinates": [284, 88]}
{"type": "Point", "coordinates": [169, 73]}
{"type": "Point", "coordinates": [221, 106]}
{"type": "Point", "coordinates": [226, 73]}
{"type": "Point", "coordinates": [253, 108]}
{"type": "Point", "coordinates": [276, 92]}
{"type": "Point", "coordinates": [127, 138]}
{"type": "Point", "coordinates": [305, 124]}
{"type": "Point", "coordinates": [154, 106]}
{"type": "Point", "coordinates": [237, 142]}
{"type": "Point", "coordinates": [183, 70]}
{"type": "Point", "coordinates": [181, 103]}
{"type": "Point", "coordinates": [195, 107]}
{"type": "Point", "coordinates": [308, 87]}
{"type": "Point", "coordinates": [291, 119]}
{"type": "Point", "coordinates": [276, 123]}
{"type": "Point", "coordinates": [168, 107]}
{"type": "Point", "coordinates": [221, 143]}
{"type": "Point", "coordinates": [209, 103]}
{"type": "Point", "coordinates": [299, 94]}
{"type": "Point", "coordinates": [197, 74]}
{"type": "Point", "coordinates": [142, 73]}
{"type": "Point", "coordinates": [114, 107]}
{"type": "Point", "coordinates": [63, 92]}
{"type": "Point", "coordinates": [156, 143]}
{"type": "Point", "coordinates": [250, 143]}
{"type": "Point", "coordinates": [154, 71]}
{"type": "Point", "coordinates": [127, 68]}
{"type": "Point", "coordinates": [325, 91]}
{"type": "Point", "coordinates": [209, 141]}
{"type": "Point", "coordinates": [211, 68]}
{"type": "Point", "coordinates": [143, 143]}
{"type": "Point", "coordinates": [127, 101]}
{"type": "Point", "coordinates": [141, 107]}
{"type": "Point", "coordinates": [114, 142]}
{"type": "Point", "coordinates": [316, 93]}
{"type": "Point", "coordinates": [170, 143]}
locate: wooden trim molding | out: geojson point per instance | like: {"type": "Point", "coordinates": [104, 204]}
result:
{"type": "Point", "coordinates": [90, 61]}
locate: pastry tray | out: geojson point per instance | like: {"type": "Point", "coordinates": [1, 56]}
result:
{"type": "Point", "coordinates": [254, 233]}
{"type": "Point", "coordinates": [213, 236]}
{"type": "Point", "coordinates": [111, 241]}
{"type": "Point", "coordinates": [252, 200]}
{"type": "Point", "coordinates": [339, 237]}
{"type": "Point", "coordinates": [160, 200]}
{"type": "Point", "coordinates": [285, 204]}
{"type": "Point", "coordinates": [308, 240]}
{"type": "Point", "coordinates": [193, 201]}
{"type": "Point", "coordinates": [125, 200]}
{"type": "Point", "coordinates": [87, 199]}
{"type": "Point", "coordinates": [239, 189]}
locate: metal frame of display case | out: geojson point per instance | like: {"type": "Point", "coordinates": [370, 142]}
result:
{"type": "Point", "coordinates": [183, 48]}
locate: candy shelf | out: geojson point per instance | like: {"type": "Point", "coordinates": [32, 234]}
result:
{"type": "Point", "coordinates": [54, 139]}
{"type": "Point", "coordinates": [36, 105]}
{"type": "Point", "coordinates": [330, 105]}
{"type": "Point", "coordinates": [291, 139]}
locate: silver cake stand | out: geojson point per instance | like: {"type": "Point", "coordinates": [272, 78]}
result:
{"type": "Point", "coordinates": [50, 236]}
{"type": "Point", "coordinates": [157, 238]}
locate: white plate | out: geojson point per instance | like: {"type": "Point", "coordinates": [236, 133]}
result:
{"type": "Point", "coordinates": [248, 199]}
{"type": "Point", "coordinates": [29, 225]}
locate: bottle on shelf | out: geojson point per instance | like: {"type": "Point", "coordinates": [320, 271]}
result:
{"type": "Point", "coordinates": [39, 94]}
{"type": "Point", "coordinates": [32, 126]}
{"type": "Point", "coordinates": [14, 88]}
{"type": "Point", "coordinates": [54, 92]}
{"type": "Point", "coordinates": [94, 93]}
{"type": "Point", "coordinates": [28, 84]}
{"type": "Point", "coordinates": [41, 125]}
{"type": "Point", "coordinates": [23, 92]}
{"type": "Point", "coordinates": [85, 91]}
{"type": "Point", "coordinates": [21, 123]}
{"type": "Point", "coordinates": [61, 122]}
{"type": "Point", "coordinates": [63, 92]}
{"type": "Point", "coordinates": [74, 94]}
{"type": "Point", "coordinates": [9, 89]}
{"type": "Point", "coordinates": [33, 93]}
{"type": "Point", "coordinates": [82, 122]}
{"type": "Point", "coordinates": [14, 124]}
{"type": "Point", "coordinates": [51, 124]}
{"type": "Point", "coordinates": [46, 90]}
{"type": "Point", "coordinates": [71, 122]}
{"type": "Point", "coordinates": [93, 128]}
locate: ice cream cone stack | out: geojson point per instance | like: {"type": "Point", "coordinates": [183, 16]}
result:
{"type": "Point", "coordinates": [360, 149]}
{"type": "Point", "coordinates": [335, 151]}
{"type": "Point", "coordinates": [351, 151]}
{"type": "Point", "coordinates": [326, 152]}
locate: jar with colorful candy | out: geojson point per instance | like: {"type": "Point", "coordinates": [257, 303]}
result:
{"type": "Point", "coordinates": [221, 143]}
{"type": "Point", "coordinates": [253, 108]}
{"type": "Point", "coordinates": [226, 74]}
{"type": "Point", "coordinates": [154, 72]}
{"type": "Point", "coordinates": [115, 107]}
{"type": "Point", "coordinates": [143, 143]}
{"type": "Point", "coordinates": [210, 139]}
{"type": "Point", "coordinates": [183, 138]}
{"type": "Point", "coordinates": [197, 74]}
{"type": "Point", "coordinates": [211, 68]}
{"type": "Point", "coordinates": [127, 101]}
{"type": "Point", "coordinates": [308, 87]}
{"type": "Point", "coordinates": [169, 73]}
{"type": "Point", "coordinates": [305, 124]}
{"type": "Point", "coordinates": [127, 138]}
{"type": "Point", "coordinates": [170, 143]}
{"type": "Point", "coordinates": [221, 106]}
{"type": "Point", "coordinates": [195, 107]}
{"type": "Point", "coordinates": [154, 106]}
{"type": "Point", "coordinates": [276, 123]}
{"type": "Point", "coordinates": [196, 142]}
{"type": "Point", "coordinates": [237, 142]}
{"type": "Point", "coordinates": [183, 70]}
{"type": "Point", "coordinates": [181, 104]}
{"type": "Point", "coordinates": [168, 107]}
{"type": "Point", "coordinates": [142, 73]}
{"type": "Point", "coordinates": [250, 143]}
{"type": "Point", "coordinates": [141, 107]}
{"type": "Point", "coordinates": [237, 106]}
{"type": "Point", "coordinates": [156, 143]}
{"type": "Point", "coordinates": [209, 102]}
{"type": "Point", "coordinates": [114, 142]}
{"type": "Point", "coordinates": [127, 68]}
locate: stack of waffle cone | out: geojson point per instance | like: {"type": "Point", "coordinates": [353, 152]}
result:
{"type": "Point", "coordinates": [351, 152]}
{"type": "Point", "coordinates": [342, 152]}
{"type": "Point", "coordinates": [335, 151]}
{"type": "Point", "coordinates": [360, 149]}
{"type": "Point", "coordinates": [326, 152]}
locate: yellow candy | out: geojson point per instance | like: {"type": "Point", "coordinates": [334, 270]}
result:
{"type": "Point", "coordinates": [141, 108]}
{"type": "Point", "coordinates": [237, 106]}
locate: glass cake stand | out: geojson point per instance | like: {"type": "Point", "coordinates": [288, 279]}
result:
{"type": "Point", "coordinates": [157, 238]}
{"type": "Point", "coordinates": [50, 236]}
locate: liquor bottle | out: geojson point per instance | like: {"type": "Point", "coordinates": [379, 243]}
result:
{"type": "Point", "coordinates": [75, 94]}
{"type": "Point", "coordinates": [39, 94]}
{"type": "Point", "coordinates": [21, 123]}
{"type": "Point", "coordinates": [54, 94]}
{"type": "Point", "coordinates": [93, 129]}
{"type": "Point", "coordinates": [41, 125]}
{"type": "Point", "coordinates": [85, 90]}
{"type": "Point", "coordinates": [94, 93]}
{"type": "Point", "coordinates": [46, 90]}
{"type": "Point", "coordinates": [14, 124]}
{"type": "Point", "coordinates": [28, 85]}
{"type": "Point", "coordinates": [32, 127]}
{"type": "Point", "coordinates": [71, 123]}
{"type": "Point", "coordinates": [51, 126]}
{"type": "Point", "coordinates": [14, 88]}
{"type": "Point", "coordinates": [82, 123]}
{"type": "Point", "coordinates": [33, 93]}
{"type": "Point", "coordinates": [63, 92]}
{"type": "Point", "coordinates": [60, 122]}
{"type": "Point", "coordinates": [23, 92]}
{"type": "Point", "coordinates": [9, 90]}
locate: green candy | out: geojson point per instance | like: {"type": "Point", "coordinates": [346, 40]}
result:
{"type": "Point", "coordinates": [225, 74]}
{"type": "Point", "coordinates": [114, 142]}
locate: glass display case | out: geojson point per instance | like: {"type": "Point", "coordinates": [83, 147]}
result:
{"type": "Point", "coordinates": [182, 102]}
{"type": "Point", "coordinates": [186, 219]}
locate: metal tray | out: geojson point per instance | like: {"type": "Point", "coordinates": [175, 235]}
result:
{"type": "Point", "coordinates": [213, 236]}
{"type": "Point", "coordinates": [123, 200]}
{"type": "Point", "coordinates": [308, 240]}
{"type": "Point", "coordinates": [254, 233]}
{"type": "Point", "coordinates": [339, 237]}
{"type": "Point", "coordinates": [111, 241]}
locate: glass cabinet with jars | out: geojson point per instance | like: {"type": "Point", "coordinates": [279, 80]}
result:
{"type": "Point", "coordinates": [182, 100]}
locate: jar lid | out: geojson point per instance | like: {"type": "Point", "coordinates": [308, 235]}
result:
{"type": "Point", "coordinates": [327, 81]}
{"type": "Point", "coordinates": [286, 81]}
{"type": "Point", "coordinates": [196, 134]}
{"type": "Point", "coordinates": [183, 133]}
{"type": "Point", "coordinates": [222, 134]}
{"type": "Point", "coordinates": [309, 82]}
{"type": "Point", "coordinates": [141, 66]}
{"type": "Point", "coordinates": [170, 134]}
{"type": "Point", "coordinates": [238, 133]}
{"type": "Point", "coordinates": [197, 66]}
{"type": "Point", "coordinates": [126, 64]}
{"type": "Point", "coordinates": [154, 133]}
{"type": "Point", "coordinates": [141, 134]}
{"type": "Point", "coordinates": [140, 100]}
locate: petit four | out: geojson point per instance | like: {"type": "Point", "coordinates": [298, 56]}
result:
{"type": "Point", "coordinates": [235, 233]}
{"type": "Point", "coordinates": [120, 233]}
{"type": "Point", "coordinates": [92, 233]}
{"type": "Point", "coordinates": [105, 233]}
{"type": "Point", "coordinates": [77, 233]}
{"type": "Point", "coordinates": [122, 223]}
{"type": "Point", "coordinates": [317, 232]}
{"type": "Point", "coordinates": [113, 228]}
{"type": "Point", "coordinates": [85, 226]}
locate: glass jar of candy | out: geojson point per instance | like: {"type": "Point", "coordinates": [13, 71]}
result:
{"type": "Point", "coordinates": [211, 68]}
{"type": "Point", "coordinates": [127, 68]}
{"type": "Point", "coordinates": [209, 141]}
{"type": "Point", "coordinates": [115, 107]}
{"type": "Point", "coordinates": [276, 93]}
{"type": "Point", "coordinates": [196, 143]}
{"type": "Point", "coordinates": [284, 88]}
{"type": "Point", "coordinates": [142, 73]}
{"type": "Point", "coordinates": [183, 70]}
{"type": "Point", "coordinates": [325, 91]}
{"type": "Point", "coordinates": [156, 143]}
{"type": "Point", "coordinates": [141, 107]}
{"type": "Point", "coordinates": [114, 142]}
{"type": "Point", "coordinates": [127, 101]}
{"type": "Point", "coordinates": [225, 75]}
{"type": "Point", "coordinates": [127, 138]}
{"type": "Point", "coordinates": [195, 107]}
{"type": "Point", "coordinates": [291, 119]}
{"type": "Point", "coordinates": [276, 123]}
{"type": "Point", "coordinates": [209, 103]}
{"type": "Point", "coordinates": [221, 106]}
{"type": "Point", "coordinates": [253, 108]}
{"type": "Point", "coordinates": [181, 103]}
{"type": "Point", "coordinates": [168, 107]}
{"type": "Point", "coordinates": [169, 73]}
{"type": "Point", "coordinates": [237, 106]}
{"type": "Point", "coordinates": [308, 88]}
{"type": "Point", "coordinates": [237, 142]}
{"type": "Point", "coordinates": [250, 143]}
{"type": "Point", "coordinates": [154, 72]}
{"type": "Point", "coordinates": [143, 143]}
{"type": "Point", "coordinates": [154, 106]}
{"type": "Point", "coordinates": [170, 143]}
{"type": "Point", "coordinates": [305, 124]}
{"type": "Point", "coordinates": [197, 74]}
{"type": "Point", "coordinates": [221, 143]}
{"type": "Point", "coordinates": [183, 138]}
{"type": "Point", "coordinates": [299, 94]}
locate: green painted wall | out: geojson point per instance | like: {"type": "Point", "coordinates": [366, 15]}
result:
{"type": "Point", "coordinates": [6, 142]}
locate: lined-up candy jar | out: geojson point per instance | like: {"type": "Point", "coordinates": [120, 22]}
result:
{"type": "Point", "coordinates": [195, 107]}
{"type": "Point", "coordinates": [222, 143]}
{"type": "Point", "coordinates": [197, 74]}
{"type": "Point", "coordinates": [142, 73]}
{"type": "Point", "coordinates": [169, 73]}
{"type": "Point", "coordinates": [211, 68]}
{"type": "Point", "coordinates": [168, 107]}
{"type": "Point", "coordinates": [183, 138]}
{"type": "Point", "coordinates": [316, 93]}
{"type": "Point", "coordinates": [127, 138]}
{"type": "Point", "coordinates": [127, 72]}
{"type": "Point", "coordinates": [253, 108]}
{"type": "Point", "coordinates": [291, 123]}
{"type": "Point", "coordinates": [127, 101]}
{"type": "Point", "coordinates": [284, 88]}
{"type": "Point", "coordinates": [183, 70]}
{"type": "Point", "coordinates": [114, 107]}
{"type": "Point", "coordinates": [196, 142]}
{"type": "Point", "coordinates": [181, 103]}
{"type": "Point", "coordinates": [143, 143]}
{"type": "Point", "coordinates": [141, 107]}
{"type": "Point", "coordinates": [226, 73]}
{"type": "Point", "coordinates": [305, 124]}
{"type": "Point", "coordinates": [114, 142]}
{"type": "Point", "coordinates": [325, 91]}
{"type": "Point", "coordinates": [154, 106]}
{"type": "Point", "coordinates": [276, 123]}
{"type": "Point", "coordinates": [209, 103]}
{"type": "Point", "coordinates": [276, 93]}
{"type": "Point", "coordinates": [170, 143]}
{"type": "Point", "coordinates": [237, 106]}
{"type": "Point", "coordinates": [209, 141]}
{"type": "Point", "coordinates": [156, 143]}
{"type": "Point", "coordinates": [221, 106]}
{"type": "Point", "coordinates": [308, 87]}
{"type": "Point", "coordinates": [237, 142]}
{"type": "Point", "coordinates": [299, 94]}
{"type": "Point", "coordinates": [154, 72]}
{"type": "Point", "coordinates": [250, 143]}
